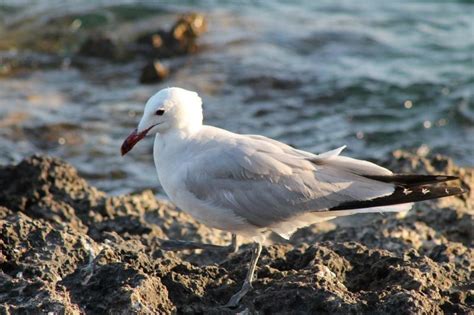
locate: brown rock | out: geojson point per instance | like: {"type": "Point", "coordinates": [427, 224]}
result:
{"type": "Point", "coordinates": [154, 72]}
{"type": "Point", "coordinates": [66, 247]}
{"type": "Point", "coordinates": [99, 46]}
{"type": "Point", "coordinates": [180, 39]}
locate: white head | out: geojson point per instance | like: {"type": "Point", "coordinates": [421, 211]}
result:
{"type": "Point", "coordinates": [169, 109]}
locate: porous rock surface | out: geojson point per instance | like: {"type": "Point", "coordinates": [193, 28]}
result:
{"type": "Point", "coordinates": [68, 248]}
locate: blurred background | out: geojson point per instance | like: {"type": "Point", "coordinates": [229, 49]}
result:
{"type": "Point", "coordinates": [377, 76]}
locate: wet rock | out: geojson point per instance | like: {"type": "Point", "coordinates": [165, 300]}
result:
{"type": "Point", "coordinates": [154, 72]}
{"type": "Point", "coordinates": [189, 25]}
{"type": "Point", "coordinates": [18, 63]}
{"type": "Point", "coordinates": [180, 39]}
{"type": "Point", "coordinates": [99, 46]}
{"type": "Point", "coordinates": [66, 247]}
{"type": "Point", "coordinates": [62, 46]}
{"type": "Point", "coordinates": [185, 31]}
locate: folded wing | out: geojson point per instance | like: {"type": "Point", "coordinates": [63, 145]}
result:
{"type": "Point", "coordinates": [267, 182]}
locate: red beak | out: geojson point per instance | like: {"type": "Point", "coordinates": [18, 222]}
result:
{"type": "Point", "coordinates": [133, 139]}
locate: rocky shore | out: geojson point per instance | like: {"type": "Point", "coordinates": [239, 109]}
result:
{"type": "Point", "coordinates": [68, 248]}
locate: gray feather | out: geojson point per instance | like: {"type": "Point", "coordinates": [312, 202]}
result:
{"type": "Point", "coordinates": [267, 182]}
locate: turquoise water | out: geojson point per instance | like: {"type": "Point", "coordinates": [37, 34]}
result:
{"type": "Point", "coordinates": [377, 76]}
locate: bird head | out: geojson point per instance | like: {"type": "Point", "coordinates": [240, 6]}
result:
{"type": "Point", "coordinates": [169, 109]}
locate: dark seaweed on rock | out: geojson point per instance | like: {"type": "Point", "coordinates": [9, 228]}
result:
{"type": "Point", "coordinates": [66, 247]}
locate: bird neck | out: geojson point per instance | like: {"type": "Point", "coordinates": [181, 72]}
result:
{"type": "Point", "coordinates": [189, 129]}
{"type": "Point", "coordinates": [188, 121]}
{"type": "Point", "coordinates": [173, 139]}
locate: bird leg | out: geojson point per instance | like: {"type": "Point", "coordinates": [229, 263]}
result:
{"type": "Point", "coordinates": [235, 299]}
{"type": "Point", "coordinates": [177, 245]}
{"type": "Point", "coordinates": [234, 245]}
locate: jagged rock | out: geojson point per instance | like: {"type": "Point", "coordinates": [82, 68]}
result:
{"type": "Point", "coordinates": [66, 247]}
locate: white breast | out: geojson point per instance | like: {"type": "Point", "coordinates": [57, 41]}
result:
{"type": "Point", "coordinates": [170, 156]}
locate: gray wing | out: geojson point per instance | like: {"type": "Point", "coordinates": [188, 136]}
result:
{"type": "Point", "coordinates": [266, 182]}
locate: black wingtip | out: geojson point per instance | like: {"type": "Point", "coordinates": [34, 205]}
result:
{"type": "Point", "coordinates": [412, 180]}
{"type": "Point", "coordinates": [465, 187]}
{"type": "Point", "coordinates": [445, 178]}
{"type": "Point", "coordinates": [452, 191]}
{"type": "Point", "coordinates": [404, 194]}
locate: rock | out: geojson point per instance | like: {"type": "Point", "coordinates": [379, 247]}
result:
{"type": "Point", "coordinates": [180, 39]}
{"type": "Point", "coordinates": [190, 25]}
{"type": "Point", "coordinates": [120, 279]}
{"type": "Point", "coordinates": [66, 247]}
{"type": "Point", "coordinates": [185, 31]}
{"type": "Point", "coordinates": [35, 257]}
{"type": "Point", "coordinates": [99, 46]}
{"type": "Point", "coordinates": [22, 62]}
{"type": "Point", "coordinates": [154, 72]}
{"type": "Point", "coordinates": [154, 44]}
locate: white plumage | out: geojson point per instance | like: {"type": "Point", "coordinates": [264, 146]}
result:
{"type": "Point", "coordinates": [250, 184]}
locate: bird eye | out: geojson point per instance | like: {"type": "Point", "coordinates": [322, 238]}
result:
{"type": "Point", "coordinates": [160, 112]}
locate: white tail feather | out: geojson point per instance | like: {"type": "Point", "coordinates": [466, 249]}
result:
{"type": "Point", "coordinates": [392, 208]}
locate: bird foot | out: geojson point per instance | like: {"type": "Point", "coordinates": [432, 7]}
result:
{"type": "Point", "coordinates": [235, 299]}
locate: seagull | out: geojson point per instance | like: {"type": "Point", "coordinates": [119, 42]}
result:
{"type": "Point", "coordinates": [251, 185]}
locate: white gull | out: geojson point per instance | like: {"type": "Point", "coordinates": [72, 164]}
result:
{"type": "Point", "coordinates": [250, 185]}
